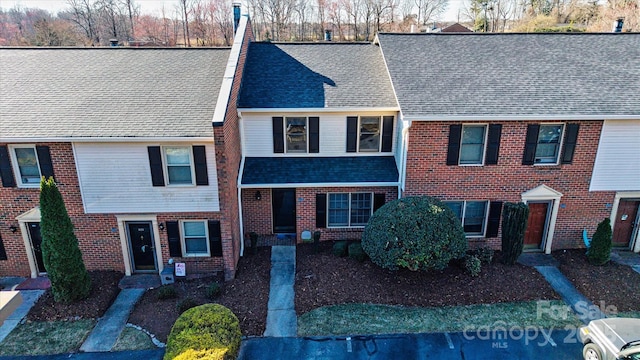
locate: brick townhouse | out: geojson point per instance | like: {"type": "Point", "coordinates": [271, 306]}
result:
{"type": "Point", "coordinates": [143, 144]}
{"type": "Point", "coordinates": [549, 119]}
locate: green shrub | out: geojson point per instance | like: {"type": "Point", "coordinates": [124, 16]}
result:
{"type": "Point", "coordinates": [213, 291]}
{"type": "Point", "coordinates": [514, 225]}
{"type": "Point", "coordinates": [600, 249]}
{"type": "Point", "coordinates": [186, 304]}
{"type": "Point", "coordinates": [417, 233]}
{"type": "Point", "coordinates": [61, 254]}
{"type": "Point", "coordinates": [167, 292]}
{"type": "Point", "coordinates": [485, 254]}
{"type": "Point", "coordinates": [209, 331]}
{"type": "Point", "coordinates": [340, 248]}
{"type": "Point", "coordinates": [472, 265]}
{"type": "Point", "coordinates": [356, 252]}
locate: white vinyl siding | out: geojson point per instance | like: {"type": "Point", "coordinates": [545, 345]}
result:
{"type": "Point", "coordinates": [617, 164]}
{"type": "Point", "coordinates": [258, 135]}
{"type": "Point", "coordinates": [116, 178]}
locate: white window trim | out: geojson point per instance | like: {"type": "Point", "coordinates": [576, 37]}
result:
{"type": "Point", "coordinates": [484, 144]}
{"type": "Point", "coordinates": [165, 165]}
{"type": "Point", "coordinates": [379, 150]}
{"type": "Point", "coordinates": [284, 134]}
{"type": "Point", "coordinates": [183, 240]}
{"type": "Point", "coordinates": [560, 145]}
{"type": "Point", "coordinates": [16, 168]}
{"type": "Point", "coordinates": [485, 221]}
{"type": "Point", "coordinates": [349, 210]}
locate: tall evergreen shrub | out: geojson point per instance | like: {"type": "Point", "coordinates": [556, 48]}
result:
{"type": "Point", "coordinates": [600, 249]}
{"type": "Point", "coordinates": [514, 225]}
{"type": "Point", "coordinates": [62, 257]}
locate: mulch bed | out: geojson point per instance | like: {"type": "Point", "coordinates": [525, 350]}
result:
{"type": "Point", "coordinates": [104, 290]}
{"type": "Point", "coordinates": [324, 279]}
{"type": "Point", "coordinates": [247, 296]}
{"type": "Point", "coordinates": [612, 285]}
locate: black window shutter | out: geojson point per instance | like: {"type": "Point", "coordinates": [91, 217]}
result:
{"type": "Point", "coordinates": [493, 144]}
{"type": "Point", "coordinates": [278, 134]}
{"type": "Point", "coordinates": [495, 210]}
{"type": "Point", "coordinates": [387, 133]}
{"type": "Point", "coordinates": [155, 163]}
{"type": "Point", "coordinates": [321, 211]}
{"type": "Point", "coordinates": [453, 150]}
{"type": "Point", "coordinates": [5, 168]}
{"type": "Point", "coordinates": [530, 144]}
{"type": "Point", "coordinates": [352, 133]}
{"type": "Point", "coordinates": [215, 238]}
{"type": "Point", "coordinates": [378, 201]}
{"type": "Point", "coordinates": [314, 134]}
{"type": "Point", "coordinates": [173, 233]}
{"type": "Point", "coordinates": [3, 252]}
{"type": "Point", "coordinates": [44, 159]}
{"type": "Point", "coordinates": [570, 140]}
{"type": "Point", "coordinates": [200, 162]}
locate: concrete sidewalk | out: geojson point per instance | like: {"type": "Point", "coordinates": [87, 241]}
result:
{"type": "Point", "coordinates": [281, 315]}
{"type": "Point", "coordinates": [105, 334]}
{"type": "Point", "coordinates": [29, 297]}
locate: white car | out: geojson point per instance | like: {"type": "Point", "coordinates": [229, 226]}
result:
{"type": "Point", "coordinates": [611, 339]}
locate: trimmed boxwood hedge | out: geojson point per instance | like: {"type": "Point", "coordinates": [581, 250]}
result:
{"type": "Point", "coordinates": [417, 233]}
{"type": "Point", "coordinates": [209, 330]}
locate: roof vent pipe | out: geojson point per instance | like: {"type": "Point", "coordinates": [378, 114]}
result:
{"type": "Point", "coordinates": [327, 35]}
{"type": "Point", "coordinates": [617, 25]}
{"type": "Point", "coordinates": [236, 15]}
{"type": "Point", "coordinates": [113, 42]}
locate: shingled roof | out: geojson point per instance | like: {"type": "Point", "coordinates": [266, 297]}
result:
{"type": "Point", "coordinates": [315, 75]}
{"type": "Point", "coordinates": [107, 92]}
{"type": "Point", "coordinates": [469, 75]}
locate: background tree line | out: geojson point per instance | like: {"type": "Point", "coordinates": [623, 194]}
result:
{"type": "Point", "coordinates": [209, 22]}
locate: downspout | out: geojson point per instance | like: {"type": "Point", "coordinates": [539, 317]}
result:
{"type": "Point", "coordinates": [405, 150]}
{"type": "Point", "coordinates": [239, 183]}
{"type": "Point", "coordinates": [240, 220]}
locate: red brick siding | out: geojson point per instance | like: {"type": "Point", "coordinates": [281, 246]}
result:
{"type": "Point", "coordinates": [428, 174]}
{"type": "Point", "coordinates": [228, 156]}
{"type": "Point", "coordinates": [257, 214]}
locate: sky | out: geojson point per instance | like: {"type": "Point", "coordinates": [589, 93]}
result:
{"type": "Point", "coordinates": [154, 7]}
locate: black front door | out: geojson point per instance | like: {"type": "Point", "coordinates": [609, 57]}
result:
{"type": "Point", "coordinates": [284, 210]}
{"type": "Point", "coordinates": [36, 245]}
{"type": "Point", "coordinates": [142, 249]}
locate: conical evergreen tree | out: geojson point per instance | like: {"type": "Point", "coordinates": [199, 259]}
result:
{"type": "Point", "coordinates": [600, 250]}
{"type": "Point", "coordinates": [62, 257]}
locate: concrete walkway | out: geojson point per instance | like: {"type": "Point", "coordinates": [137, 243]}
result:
{"type": "Point", "coordinates": [105, 334]}
{"type": "Point", "coordinates": [584, 309]}
{"type": "Point", "coordinates": [29, 297]}
{"type": "Point", "coordinates": [281, 314]}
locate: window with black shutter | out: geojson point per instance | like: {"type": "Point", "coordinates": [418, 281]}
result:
{"type": "Point", "coordinates": [493, 223]}
{"type": "Point", "coordinates": [44, 159]}
{"type": "Point", "coordinates": [278, 134]}
{"type": "Point", "coordinates": [3, 252]}
{"type": "Point", "coordinates": [570, 141]}
{"type": "Point", "coordinates": [200, 164]}
{"type": "Point", "coordinates": [493, 144]}
{"type": "Point", "coordinates": [5, 168]}
{"type": "Point", "coordinates": [215, 238]}
{"type": "Point", "coordinates": [352, 133]}
{"type": "Point", "coordinates": [321, 211]}
{"type": "Point", "coordinates": [155, 163]}
{"type": "Point", "coordinates": [387, 133]}
{"type": "Point", "coordinates": [173, 235]}
{"type": "Point", "coordinates": [453, 149]}
{"type": "Point", "coordinates": [314, 134]}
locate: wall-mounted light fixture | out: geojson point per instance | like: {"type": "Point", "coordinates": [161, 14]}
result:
{"type": "Point", "coordinates": [258, 195]}
{"type": "Point", "coordinates": [13, 228]}
{"type": "Point", "coordinates": [161, 226]}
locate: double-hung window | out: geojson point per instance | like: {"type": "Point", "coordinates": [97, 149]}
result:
{"type": "Point", "coordinates": [369, 139]}
{"type": "Point", "coordinates": [27, 167]}
{"type": "Point", "coordinates": [179, 165]}
{"type": "Point", "coordinates": [296, 133]}
{"type": "Point", "coordinates": [195, 238]}
{"type": "Point", "coordinates": [472, 144]}
{"type": "Point", "coordinates": [349, 209]}
{"type": "Point", "coordinates": [548, 146]}
{"type": "Point", "coordinates": [472, 215]}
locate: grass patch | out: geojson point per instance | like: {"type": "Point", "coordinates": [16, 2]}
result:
{"type": "Point", "coordinates": [43, 338]}
{"type": "Point", "coordinates": [133, 339]}
{"type": "Point", "coordinates": [354, 319]}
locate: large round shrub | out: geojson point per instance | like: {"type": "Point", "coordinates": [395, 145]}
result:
{"type": "Point", "coordinates": [417, 233]}
{"type": "Point", "coordinates": [209, 331]}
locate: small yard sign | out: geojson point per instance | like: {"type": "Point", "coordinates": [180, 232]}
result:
{"type": "Point", "coordinates": [181, 269]}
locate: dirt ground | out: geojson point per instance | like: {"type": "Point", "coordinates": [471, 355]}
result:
{"type": "Point", "coordinates": [324, 279]}
{"type": "Point", "coordinates": [612, 285]}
